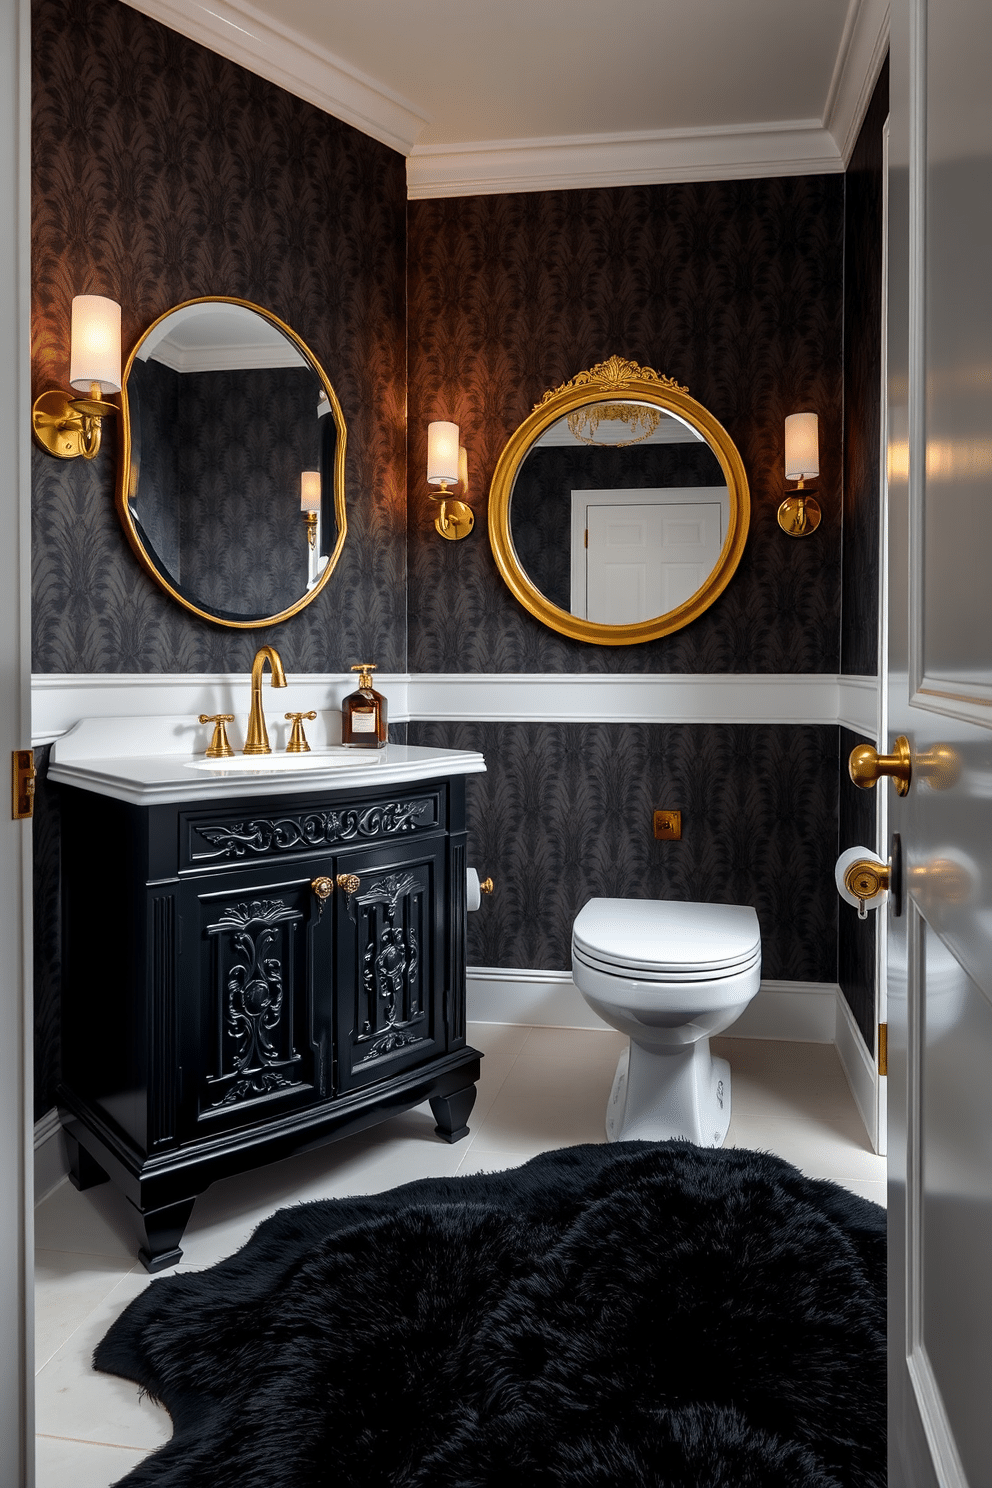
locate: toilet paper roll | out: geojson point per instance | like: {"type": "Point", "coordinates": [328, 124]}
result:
{"type": "Point", "coordinates": [851, 855]}
{"type": "Point", "coordinates": [472, 890]}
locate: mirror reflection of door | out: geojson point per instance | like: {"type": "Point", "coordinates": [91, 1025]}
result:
{"type": "Point", "coordinates": [639, 553]}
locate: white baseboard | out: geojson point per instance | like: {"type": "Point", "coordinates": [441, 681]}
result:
{"type": "Point", "coordinates": [801, 1012]}
{"type": "Point", "coordinates": [50, 1161]}
{"type": "Point", "coordinates": [859, 1068]}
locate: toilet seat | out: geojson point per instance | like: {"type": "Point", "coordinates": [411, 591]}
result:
{"type": "Point", "coordinates": [650, 976]}
{"type": "Point", "coordinates": [663, 940]}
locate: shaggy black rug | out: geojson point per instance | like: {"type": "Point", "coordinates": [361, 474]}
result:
{"type": "Point", "coordinates": [643, 1315]}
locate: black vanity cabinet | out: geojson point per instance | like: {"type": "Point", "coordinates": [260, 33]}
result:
{"type": "Point", "coordinates": [247, 978]}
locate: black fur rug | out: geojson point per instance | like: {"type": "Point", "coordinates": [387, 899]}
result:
{"type": "Point", "coordinates": [646, 1316]}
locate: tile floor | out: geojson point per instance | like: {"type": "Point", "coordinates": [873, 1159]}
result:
{"type": "Point", "coordinates": [541, 1088]}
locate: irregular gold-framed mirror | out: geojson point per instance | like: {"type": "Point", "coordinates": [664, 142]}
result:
{"type": "Point", "coordinates": [619, 508]}
{"type": "Point", "coordinates": [231, 465]}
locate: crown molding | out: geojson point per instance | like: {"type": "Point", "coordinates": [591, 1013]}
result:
{"type": "Point", "coordinates": [239, 32]}
{"type": "Point", "coordinates": [646, 158]}
{"type": "Point", "coordinates": [862, 51]}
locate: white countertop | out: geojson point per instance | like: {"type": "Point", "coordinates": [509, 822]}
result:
{"type": "Point", "coordinates": [90, 757]}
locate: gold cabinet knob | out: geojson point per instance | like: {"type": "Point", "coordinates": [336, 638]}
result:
{"type": "Point", "coordinates": [350, 883]}
{"type": "Point", "coordinates": [323, 888]}
{"type": "Point", "coordinates": [486, 886]}
{"type": "Point", "coordinates": [866, 766]}
{"type": "Point", "coordinates": [219, 748]}
{"type": "Point", "coordinates": [298, 739]}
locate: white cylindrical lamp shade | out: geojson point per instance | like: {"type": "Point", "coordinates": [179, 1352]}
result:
{"type": "Point", "coordinates": [310, 490]}
{"type": "Point", "coordinates": [442, 453]}
{"type": "Point", "coordinates": [802, 446]}
{"type": "Point", "coordinates": [95, 356]}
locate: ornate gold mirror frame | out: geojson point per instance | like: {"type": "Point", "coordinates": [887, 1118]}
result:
{"type": "Point", "coordinates": [125, 476]}
{"type": "Point", "coordinates": [606, 383]}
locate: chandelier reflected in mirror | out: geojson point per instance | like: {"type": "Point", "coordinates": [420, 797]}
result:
{"type": "Point", "coordinates": [635, 420]}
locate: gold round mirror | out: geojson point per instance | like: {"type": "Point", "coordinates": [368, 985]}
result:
{"type": "Point", "coordinates": [231, 467]}
{"type": "Point", "coordinates": [619, 509]}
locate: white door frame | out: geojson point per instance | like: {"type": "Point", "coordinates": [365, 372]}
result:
{"type": "Point", "coordinates": [16, 1057]}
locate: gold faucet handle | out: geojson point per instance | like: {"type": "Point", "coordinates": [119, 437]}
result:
{"type": "Point", "coordinates": [298, 739]}
{"type": "Point", "coordinates": [220, 747]}
{"type": "Point", "coordinates": [866, 766]}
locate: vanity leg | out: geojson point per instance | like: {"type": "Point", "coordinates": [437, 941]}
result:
{"type": "Point", "coordinates": [84, 1171]}
{"type": "Point", "coordinates": [451, 1112]}
{"type": "Point", "coordinates": [162, 1230]}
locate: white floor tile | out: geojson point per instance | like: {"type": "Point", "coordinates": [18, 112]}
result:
{"type": "Point", "coordinates": [67, 1287]}
{"type": "Point", "coordinates": [74, 1464]}
{"type": "Point", "coordinates": [96, 1222]}
{"type": "Point", "coordinates": [73, 1400]}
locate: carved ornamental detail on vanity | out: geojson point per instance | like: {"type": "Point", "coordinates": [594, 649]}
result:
{"type": "Point", "coordinates": [390, 964]}
{"type": "Point", "coordinates": [262, 835]}
{"type": "Point", "coordinates": [253, 1003]}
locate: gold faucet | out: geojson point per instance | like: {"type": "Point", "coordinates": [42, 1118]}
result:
{"type": "Point", "coordinates": [257, 741]}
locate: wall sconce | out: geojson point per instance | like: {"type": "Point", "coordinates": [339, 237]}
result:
{"type": "Point", "coordinates": [799, 514]}
{"type": "Point", "coordinates": [69, 427]}
{"type": "Point", "coordinates": [447, 463]}
{"type": "Point", "coordinates": [310, 502]}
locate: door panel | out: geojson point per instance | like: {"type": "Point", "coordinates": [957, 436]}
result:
{"type": "Point", "coordinates": [938, 694]}
{"type": "Point", "coordinates": [255, 1003]}
{"type": "Point", "coordinates": [390, 1003]}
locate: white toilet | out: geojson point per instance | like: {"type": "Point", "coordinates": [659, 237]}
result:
{"type": "Point", "coordinates": [668, 975]}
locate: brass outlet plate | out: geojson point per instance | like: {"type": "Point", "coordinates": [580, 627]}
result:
{"type": "Point", "coordinates": [668, 825]}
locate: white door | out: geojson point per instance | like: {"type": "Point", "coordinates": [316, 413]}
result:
{"type": "Point", "coordinates": [940, 699]}
{"type": "Point", "coordinates": [16, 1147]}
{"type": "Point", "coordinates": [640, 553]}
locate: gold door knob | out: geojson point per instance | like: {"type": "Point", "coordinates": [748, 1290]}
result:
{"type": "Point", "coordinates": [323, 888]}
{"type": "Point", "coordinates": [219, 745]}
{"type": "Point", "coordinates": [349, 882]}
{"type": "Point", "coordinates": [298, 739]}
{"type": "Point", "coordinates": [866, 766]}
{"type": "Point", "coordinates": [486, 886]}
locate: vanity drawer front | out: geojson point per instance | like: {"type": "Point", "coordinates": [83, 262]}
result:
{"type": "Point", "coordinates": [255, 1000]}
{"type": "Point", "coordinates": [270, 831]}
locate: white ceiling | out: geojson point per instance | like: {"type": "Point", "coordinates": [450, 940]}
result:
{"type": "Point", "coordinates": [500, 95]}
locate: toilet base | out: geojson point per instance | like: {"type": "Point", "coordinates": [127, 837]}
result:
{"type": "Point", "coordinates": [657, 1096]}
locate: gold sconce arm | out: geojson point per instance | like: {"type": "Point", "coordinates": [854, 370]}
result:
{"type": "Point", "coordinates": [70, 427]}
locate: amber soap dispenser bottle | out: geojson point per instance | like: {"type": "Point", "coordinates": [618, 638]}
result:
{"type": "Point", "coordinates": [363, 713]}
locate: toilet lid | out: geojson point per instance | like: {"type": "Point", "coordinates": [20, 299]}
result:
{"type": "Point", "coordinates": [665, 936]}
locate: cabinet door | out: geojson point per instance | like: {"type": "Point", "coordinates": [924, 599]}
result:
{"type": "Point", "coordinates": [255, 999]}
{"type": "Point", "coordinates": [390, 998]}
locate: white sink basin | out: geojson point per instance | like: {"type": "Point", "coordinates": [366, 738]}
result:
{"type": "Point", "coordinates": [288, 764]}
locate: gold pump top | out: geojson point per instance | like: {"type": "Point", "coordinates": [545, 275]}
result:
{"type": "Point", "coordinates": [366, 668]}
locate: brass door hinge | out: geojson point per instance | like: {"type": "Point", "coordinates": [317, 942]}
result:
{"type": "Point", "coordinates": [883, 1048]}
{"type": "Point", "coordinates": [22, 779]}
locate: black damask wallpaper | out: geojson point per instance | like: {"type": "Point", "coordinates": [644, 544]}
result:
{"type": "Point", "coordinates": [733, 287]}
{"type": "Point", "coordinates": [201, 178]}
{"type": "Point", "coordinates": [863, 389]}
{"type": "Point", "coordinates": [564, 813]}
{"type": "Point", "coordinates": [856, 938]}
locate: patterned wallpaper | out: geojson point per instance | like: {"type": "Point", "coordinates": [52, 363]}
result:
{"type": "Point", "coordinates": [564, 813]}
{"type": "Point", "coordinates": [733, 287]}
{"type": "Point", "coordinates": [201, 178]}
{"type": "Point", "coordinates": [862, 389]}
